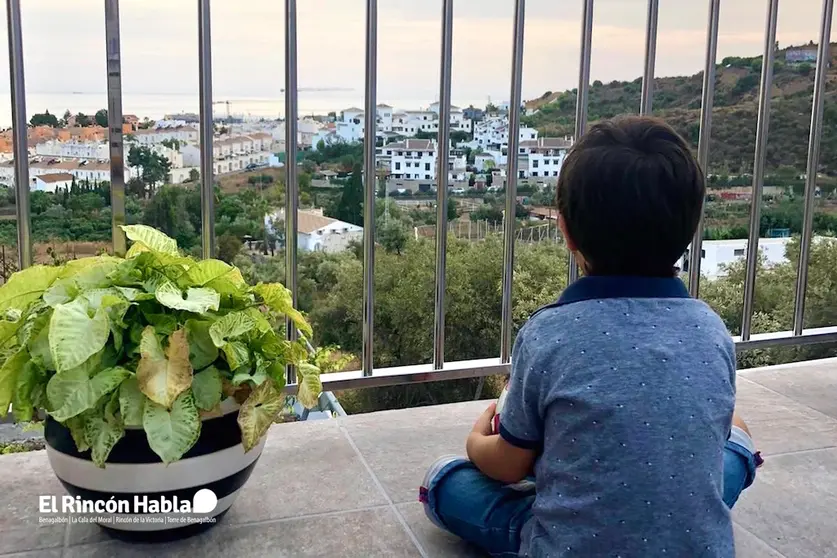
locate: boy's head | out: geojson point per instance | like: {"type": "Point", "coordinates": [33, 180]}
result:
{"type": "Point", "coordinates": [630, 196]}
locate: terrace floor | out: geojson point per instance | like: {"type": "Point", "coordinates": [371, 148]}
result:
{"type": "Point", "coordinates": [347, 487]}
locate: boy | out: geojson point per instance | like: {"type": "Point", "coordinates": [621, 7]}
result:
{"type": "Point", "coordinates": [621, 393]}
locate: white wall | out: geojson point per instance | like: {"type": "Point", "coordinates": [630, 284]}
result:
{"type": "Point", "coordinates": [333, 238]}
{"type": "Point", "coordinates": [719, 253]}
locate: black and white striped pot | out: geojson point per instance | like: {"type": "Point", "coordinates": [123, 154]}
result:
{"type": "Point", "coordinates": [216, 462]}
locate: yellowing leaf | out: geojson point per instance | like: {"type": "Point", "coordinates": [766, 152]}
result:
{"type": "Point", "coordinates": [171, 433]}
{"type": "Point", "coordinates": [27, 286]}
{"type": "Point", "coordinates": [164, 376]}
{"type": "Point", "coordinates": [310, 387]}
{"type": "Point", "coordinates": [197, 300]}
{"type": "Point", "coordinates": [278, 299]}
{"type": "Point", "coordinates": [258, 412]}
{"type": "Point", "coordinates": [151, 239]}
{"type": "Point", "coordinates": [74, 336]}
{"type": "Point", "coordinates": [236, 354]}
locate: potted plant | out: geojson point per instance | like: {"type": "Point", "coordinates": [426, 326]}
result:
{"type": "Point", "coordinates": [158, 376]}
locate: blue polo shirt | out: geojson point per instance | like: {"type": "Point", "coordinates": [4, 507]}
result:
{"type": "Point", "coordinates": [626, 388]}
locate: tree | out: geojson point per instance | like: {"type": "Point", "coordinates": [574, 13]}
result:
{"type": "Point", "coordinates": [489, 177]}
{"type": "Point", "coordinates": [172, 144]}
{"type": "Point", "coordinates": [154, 167]}
{"type": "Point", "coordinates": [83, 120]}
{"type": "Point", "coordinates": [44, 119]}
{"type": "Point", "coordinates": [350, 206]}
{"type": "Point", "coordinates": [101, 118]}
{"type": "Point", "coordinates": [228, 247]}
{"type": "Point", "coordinates": [452, 209]}
{"type": "Point", "coordinates": [169, 211]}
{"type": "Point", "coordinates": [472, 180]}
{"type": "Point", "coordinates": [194, 175]}
{"type": "Point", "coordinates": [66, 118]}
{"type": "Point", "coordinates": [393, 236]}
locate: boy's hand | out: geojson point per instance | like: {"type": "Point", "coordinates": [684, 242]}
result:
{"type": "Point", "coordinates": [483, 424]}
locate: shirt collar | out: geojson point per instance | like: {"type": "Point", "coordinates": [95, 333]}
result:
{"type": "Point", "coordinates": [601, 286]}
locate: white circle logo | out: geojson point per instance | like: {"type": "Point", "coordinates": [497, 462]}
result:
{"type": "Point", "coordinates": [204, 501]}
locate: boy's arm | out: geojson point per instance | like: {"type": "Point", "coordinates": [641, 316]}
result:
{"type": "Point", "coordinates": [495, 457]}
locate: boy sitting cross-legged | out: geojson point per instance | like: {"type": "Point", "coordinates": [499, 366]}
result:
{"type": "Point", "coordinates": [621, 396]}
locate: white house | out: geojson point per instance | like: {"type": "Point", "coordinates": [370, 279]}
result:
{"type": "Point", "coordinates": [457, 117]}
{"type": "Point", "coordinates": [415, 159]}
{"type": "Point", "coordinates": [315, 232]}
{"type": "Point", "coordinates": [153, 136]}
{"type": "Point", "coordinates": [384, 114]}
{"type": "Point", "coordinates": [545, 156]}
{"type": "Point", "coordinates": [493, 133]}
{"type": "Point", "coordinates": [716, 254]}
{"type": "Point", "coordinates": [52, 182]}
{"type": "Point", "coordinates": [97, 150]}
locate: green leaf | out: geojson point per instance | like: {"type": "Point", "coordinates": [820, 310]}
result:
{"type": "Point", "coordinates": [234, 324]}
{"type": "Point", "coordinates": [61, 292]}
{"type": "Point", "coordinates": [8, 330]}
{"type": "Point", "coordinates": [202, 350]}
{"type": "Point", "coordinates": [310, 387]}
{"type": "Point", "coordinates": [22, 404]}
{"type": "Point", "coordinates": [134, 295]}
{"type": "Point", "coordinates": [76, 425]}
{"type": "Point", "coordinates": [8, 378]}
{"type": "Point", "coordinates": [237, 354]}
{"type": "Point", "coordinates": [151, 239]}
{"type": "Point", "coordinates": [74, 336]}
{"type": "Point", "coordinates": [197, 300]}
{"type": "Point", "coordinates": [171, 433]}
{"type": "Point", "coordinates": [27, 286]}
{"type": "Point", "coordinates": [96, 276]}
{"type": "Point", "coordinates": [102, 432]}
{"type": "Point", "coordinates": [164, 324]}
{"type": "Point", "coordinates": [206, 386]}
{"type": "Point", "coordinates": [72, 392]}
{"type": "Point", "coordinates": [131, 402]}
{"type": "Point", "coordinates": [258, 412]}
{"type": "Point", "coordinates": [278, 298]}
{"type": "Point", "coordinates": [164, 376]}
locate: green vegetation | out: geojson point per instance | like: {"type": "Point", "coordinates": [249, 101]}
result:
{"type": "Point", "coordinates": [677, 99]}
{"type": "Point", "coordinates": [44, 119]}
{"type": "Point", "coordinates": [154, 340]}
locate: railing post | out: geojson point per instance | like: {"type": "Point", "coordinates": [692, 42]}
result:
{"type": "Point", "coordinates": [823, 59]}
{"type": "Point", "coordinates": [370, 143]}
{"type": "Point", "coordinates": [582, 99]}
{"type": "Point", "coordinates": [115, 141]}
{"type": "Point", "coordinates": [650, 57]}
{"type": "Point", "coordinates": [443, 153]}
{"type": "Point", "coordinates": [291, 169]}
{"type": "Point", "coordinates": [706, 103]}
{"type": "Point", "coordinates": [509, 219]}
{"type": "Point", "coordinates": [758, 166]}
{"type": "Point", "coordinates": [207, 130]}
{"type": "Point", "coordinates": [20, 140]}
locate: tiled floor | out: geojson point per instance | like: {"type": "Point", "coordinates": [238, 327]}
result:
{"type": "Point", "coordinates": [348, 487]}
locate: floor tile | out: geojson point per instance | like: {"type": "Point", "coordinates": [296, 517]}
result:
{"type": "Point", "coordinates": [366, 534]}
{"type": "Point", "coordinates": [436, 542]}
{"type": "Point", "coordinates": [401, 452]}
{"type": "Point", "coordinates": [814, 386]}
{"type": "Point", "coordinates": [779, 424]}
{"type": "Point", "coordinates": [791, 504]}
{"type": "Point", "coordinates": [747, 545]}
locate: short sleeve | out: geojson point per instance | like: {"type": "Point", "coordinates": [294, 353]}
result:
{"type": "Point", "coordinates": [521, 423]}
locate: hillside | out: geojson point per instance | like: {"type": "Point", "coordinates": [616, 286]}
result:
{"type": "Point", "coordinates": [677, 99]}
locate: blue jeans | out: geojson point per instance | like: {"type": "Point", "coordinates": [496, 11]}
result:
{"type": "Point", "coordinates": [489, 514]}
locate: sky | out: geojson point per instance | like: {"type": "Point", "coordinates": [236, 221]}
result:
{"type": "Point", "coordinates": [64, 44]}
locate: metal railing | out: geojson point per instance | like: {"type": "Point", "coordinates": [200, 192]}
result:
{"type": "Point", "coordinates": [438, 369]}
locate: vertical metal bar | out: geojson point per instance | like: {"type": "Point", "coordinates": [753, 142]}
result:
{"type": "Point", "coordinates": [291, 170]}
{"type": "Point", "coordinates": [115, 143]}
{"type": "Point", "coordinates": [706, 103]}
{"type": "Point", "coordinates": [509, 219]}
{"type": "Point", "coordinates": [823, 58]}
{"type": "Point", "coordinates": [20, 138]}
{"type": "Point", "coordinates": [442, 183]}
{"type": "Point", "coordinates": [582, 100]}
{"type": "Point", "coordinates": [758, 166]}
{"type": "Point", "coordinates": [650, 57]}
{"type": "Point", "coordinates": [207, 130]}
{"type": "Point", "coordinates": [369, 144]}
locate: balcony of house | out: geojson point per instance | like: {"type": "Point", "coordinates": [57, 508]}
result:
{"type": "Point", "coordinates": [349, 486]}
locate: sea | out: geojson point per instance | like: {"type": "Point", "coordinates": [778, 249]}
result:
{"type": "Point", "coordinates": [157, 105]}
